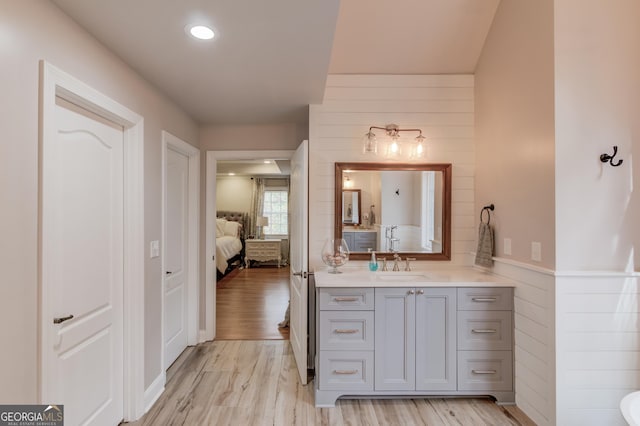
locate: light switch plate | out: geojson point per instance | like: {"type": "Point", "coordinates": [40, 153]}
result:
{"type": "Point", "coordinates": [506, 247]}
{"type": "Point", "coordinates": [536, 251]}
{"type": "Point", "coordinates": [154, 249]}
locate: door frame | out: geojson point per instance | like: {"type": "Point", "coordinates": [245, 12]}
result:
{"type": "Point", "coordinates": [193, 234]}
{"type": "Point", "coordinates": [209, 284]}
{"type": "Point", "coordinates": [57, 83]}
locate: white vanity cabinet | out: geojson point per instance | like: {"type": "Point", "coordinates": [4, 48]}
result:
{"type": "Point", "coordinates": [415, 339]}
{"type": "Point", "coordinates": [380, 338]}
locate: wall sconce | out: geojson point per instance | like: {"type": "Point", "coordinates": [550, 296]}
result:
{"type": "Point", "coordinates": [348, 183]}
{"type": "Point", "coordinates": [394, 149]}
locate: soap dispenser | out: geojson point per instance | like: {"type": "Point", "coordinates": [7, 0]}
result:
{"type": "Point", "coordinates": [373, 263]}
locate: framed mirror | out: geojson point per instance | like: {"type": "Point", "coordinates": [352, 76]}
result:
{"type": "Point", "coordinates": [351, 207]}
{"type": "Point", "coordinates": [402, 208]}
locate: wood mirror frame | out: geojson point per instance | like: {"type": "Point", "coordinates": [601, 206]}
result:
{"type": "Point", "coordinates": [445, 254]}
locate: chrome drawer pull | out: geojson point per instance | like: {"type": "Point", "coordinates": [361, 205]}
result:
{"type": "Point", "coordinates": [483, 331]}
{"type": "Point", "coordinates": [484, 299]}
{"type": "Point", "coordinates": [346, 331]}
{"type": "Point", "coordinates": [345, 371]}
{"type": "Point", "coordinates": [345, 299]}
{"type": "Point", "coordinates": [484, 371]}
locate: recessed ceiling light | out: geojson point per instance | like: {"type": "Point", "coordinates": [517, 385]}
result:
{"type": "Point", "coordinates": [232, 174]}
{"type": "Point", "coordinates": [201, 32]}
{"type": "Point", "coordinates": [267, 161]}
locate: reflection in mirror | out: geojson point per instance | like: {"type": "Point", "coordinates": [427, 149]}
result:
{"type": "Point", "coordinates": [401, 208]}
{"type": "Point", "coordinates": [351, 207]}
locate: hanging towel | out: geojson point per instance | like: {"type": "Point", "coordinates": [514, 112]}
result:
{"type": "Point", "coordinates": [484, 252]}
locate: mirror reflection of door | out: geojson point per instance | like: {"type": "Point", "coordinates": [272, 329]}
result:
{"type": "Point", "coordinates": [351, 207]}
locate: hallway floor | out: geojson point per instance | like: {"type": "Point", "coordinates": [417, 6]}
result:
{"type": "Point", "coordinates": [256, 383]}
{"type": "Point", "coordinates": [251, 302]}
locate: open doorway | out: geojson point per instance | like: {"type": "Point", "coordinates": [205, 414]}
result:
{"type": "Point", "coordinates": [251, 291]}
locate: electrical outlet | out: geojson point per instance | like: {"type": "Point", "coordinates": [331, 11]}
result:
{"type": "Point", "coordinates": [536, 251]}
{"type": "Point", "coordinates": [506, 246]}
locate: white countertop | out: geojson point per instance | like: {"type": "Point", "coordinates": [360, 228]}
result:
{"type": "Point", "coordinates": [359, 229]}
{"type": "Point", "coordinates": [449, 277]}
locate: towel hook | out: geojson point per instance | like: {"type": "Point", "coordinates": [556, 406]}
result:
{"type": "Point", "coordinates": [487, 208]}
{"type": "Point", "coordinates": [606, 157]}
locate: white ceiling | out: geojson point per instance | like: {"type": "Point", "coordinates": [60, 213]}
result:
{"type": "Point", "coordinates": [270, 59]}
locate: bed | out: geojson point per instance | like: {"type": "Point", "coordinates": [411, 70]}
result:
{"type": "Point", "coordinates": [230, 228]}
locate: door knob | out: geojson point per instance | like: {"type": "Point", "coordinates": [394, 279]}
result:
{"type": "Point", "coordinates": [169, 272]}
{"type": "Point", "coordinates": [60, 320]}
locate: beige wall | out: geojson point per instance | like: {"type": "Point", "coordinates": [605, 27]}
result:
{"type": "Point", "coordinates": [31, 31]}
{"type": "Point", "coordinates": [515, 128]}
{"type": "Point", "coordinates": [234, 193]}
{"type": "Point", "coordinates": [252, 137]}
{"type": "Point", "coordinates": [597, 106]}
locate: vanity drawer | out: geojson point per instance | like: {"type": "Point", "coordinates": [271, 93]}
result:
{"type": "Point", "coordinates": [342, 370]}
{"type": "Point", "coordinates": [344, 330]}
{"type": "Point", "coordinates": [485, 330]}
{"type": "Point", "coordinates": [342, 299]}
{"type": "Point", "coordinates": [485, 370]}
{"type": "Point", "coordinates": [485, 299]}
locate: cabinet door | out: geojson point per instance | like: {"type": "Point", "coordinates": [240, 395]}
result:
{"type": "Point", "coordinates": [436, 339]}
{"type": "Point", "coordinates": [395, 339]}
{"type": "Point", "coordinates": [348, 238]}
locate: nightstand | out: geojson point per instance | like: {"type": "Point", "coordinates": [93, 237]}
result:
{"type": "Point", "coordinates": [262, 251]}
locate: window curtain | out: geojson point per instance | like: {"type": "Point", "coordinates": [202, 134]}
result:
{"type": "Point", "coordinates": [257, 204]}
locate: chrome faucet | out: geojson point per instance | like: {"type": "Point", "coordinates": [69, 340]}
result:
{"type": "Point", "coordinates": [396, 259]}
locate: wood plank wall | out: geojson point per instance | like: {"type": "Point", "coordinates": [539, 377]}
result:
{"type": "Point", "coordinates": [440, 105]}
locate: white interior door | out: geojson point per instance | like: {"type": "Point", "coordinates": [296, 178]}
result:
{"type": "Point", "coordinates": [176, 256]}
{"type": "Point", "coordinates": [299, 256]}
{"type": "Point", "coordinates": [82, 265]}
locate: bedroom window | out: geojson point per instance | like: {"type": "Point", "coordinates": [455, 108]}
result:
{"type": "Point", "coordinates": [276, 208]}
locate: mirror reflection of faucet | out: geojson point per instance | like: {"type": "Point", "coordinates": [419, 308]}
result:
{"type": "Point", "coordinates": [392, 243]}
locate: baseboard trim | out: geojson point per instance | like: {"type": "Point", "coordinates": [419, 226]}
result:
{"type": "Point", "coordinates": [154, 391]}
{"type": "Point", "coordinates": [203, 336]}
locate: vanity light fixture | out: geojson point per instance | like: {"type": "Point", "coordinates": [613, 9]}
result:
{"type": "Point", "coordinates": [394, 148]}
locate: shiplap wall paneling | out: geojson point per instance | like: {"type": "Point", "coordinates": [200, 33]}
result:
{"type": "Point", "coordinates": [440, 105]}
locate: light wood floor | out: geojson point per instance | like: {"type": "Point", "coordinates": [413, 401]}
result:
{"type": "Point", "coordinates": [256, 383]}
{"type": "Point", "coordinates": [251, 302]}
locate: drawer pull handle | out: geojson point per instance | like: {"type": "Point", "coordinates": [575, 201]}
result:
{"type": "Point", "coordinates": [346, 331]}
{"type": "Point", "coordinates": [345, 371]}
{"type": "Point", "coordinates": [484, 331]}
{"type": "Point", "coordinates": [345, 299]}
{"type": "Point", "coordinates": [484, 299]}
{"type": "Point", "coordinates": [484, 371]}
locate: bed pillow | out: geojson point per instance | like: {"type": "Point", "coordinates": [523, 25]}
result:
{"type": "Point", "coordinates": [232, 229]}
{"type": "Point", "coordinates": [220, 225]}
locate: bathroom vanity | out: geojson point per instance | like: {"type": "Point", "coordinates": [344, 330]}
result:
{"type": "Point", "coordinates": [410, 334]}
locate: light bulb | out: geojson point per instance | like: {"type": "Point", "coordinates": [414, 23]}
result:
{"type": "Point", "coordinates": [420, 146]}
{"type": "Point", "coordinates": [394, 147]}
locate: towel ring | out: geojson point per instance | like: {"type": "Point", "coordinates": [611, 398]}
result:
{"type": "Point", "coordinates": [489, 209]}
